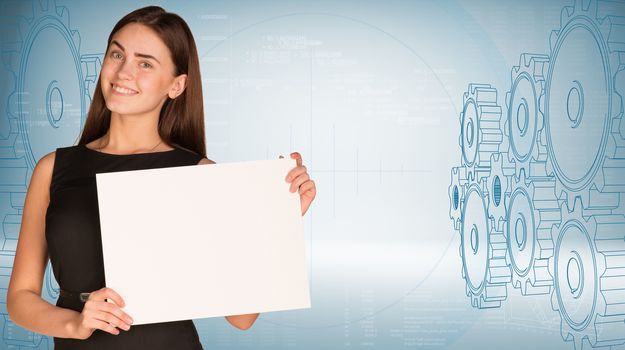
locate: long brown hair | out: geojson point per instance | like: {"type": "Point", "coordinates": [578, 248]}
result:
{"type": "Point", "coordinates": [181, 120]}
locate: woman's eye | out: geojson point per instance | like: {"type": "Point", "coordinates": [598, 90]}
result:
{"type": "Point", "coordinates": [116, 55]}
{"type": "Point", "coordinates": [146, 65]}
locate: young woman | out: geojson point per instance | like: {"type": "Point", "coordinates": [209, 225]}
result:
{"type": "Point", "coordinates": [147, 112]}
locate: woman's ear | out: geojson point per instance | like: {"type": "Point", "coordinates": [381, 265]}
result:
{"type": "Point", "coordinates": [180, 83]}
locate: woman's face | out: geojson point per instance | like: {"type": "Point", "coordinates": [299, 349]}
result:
{"type": "Point", "coordinates": [137, 75]}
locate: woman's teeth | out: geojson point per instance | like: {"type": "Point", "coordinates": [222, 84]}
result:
{"type": "Point", "coordinates": [123, 90]}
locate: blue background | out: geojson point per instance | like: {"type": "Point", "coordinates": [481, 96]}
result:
{"type": "Point", "coordinates": [371, 94]}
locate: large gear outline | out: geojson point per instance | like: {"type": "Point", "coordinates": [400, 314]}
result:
{"type": "Point", "coordinates": [480, 129]}
{"type": "Point", "coordinates": [483, 252]}
{"type": "Point", "coordinates": [17, 157]}
{"type": "Point", "coordinates": [525, 118]}
{"type": "Point", "coordinates": [533, 209]}
{"type": "Point", "coordinates": [588, 265]}
{"type": "Point", "coordinates": [583, 24]}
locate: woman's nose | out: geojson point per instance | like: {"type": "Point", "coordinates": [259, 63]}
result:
{"type": "Point", "coordinates": [125, 71]}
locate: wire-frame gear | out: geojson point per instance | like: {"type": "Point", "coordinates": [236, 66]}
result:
{"type": "Point", "coordinates": [456, 192]}
{"type": "Point", "coordinates": [582, 101]}
{"type": "Point", "coordinates": [588, 266]}
{"type": "Point", "coordinates": [532, 211]}
{"type": "Point", "coordinates": [483, 252]}
{"type": "Point", "coordinates": [524, 122]}
{"type": "Point", "coordinates": [498, 185]}
{"type": "Point", "coordinates": [480, 130]}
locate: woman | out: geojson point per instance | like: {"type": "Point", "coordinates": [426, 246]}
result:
{"type": "Point", "coordinates": [147, 112]}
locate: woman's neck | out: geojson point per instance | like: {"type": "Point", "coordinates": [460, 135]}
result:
{"type": "Point", "coordinates": [132, 134]}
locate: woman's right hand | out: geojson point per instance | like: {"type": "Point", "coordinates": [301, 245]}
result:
{"type": "Point", "coordinates": [100, 314]}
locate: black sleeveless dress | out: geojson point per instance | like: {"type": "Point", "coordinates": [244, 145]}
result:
{"type": "Point", "coordinates": [75, 247]}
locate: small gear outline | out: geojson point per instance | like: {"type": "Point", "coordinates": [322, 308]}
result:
{"type": "Point", "coordinates": [498, 184]}
{"type": "Point", "coordinates": [533, 209]}
{"type": "Point", "coordinates": [480, 129]}
{"type": "Point", "coordinates": [456, 192]}
{"type": "Point", "coordinates": [483, 252]}
{"type": "Point", "coordinates": [524, 120]}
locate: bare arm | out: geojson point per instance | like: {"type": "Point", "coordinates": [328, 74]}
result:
{"type": "Point", "coordinates": [25, 306]}
{"type": "Point", "coordinates": [242, 322]}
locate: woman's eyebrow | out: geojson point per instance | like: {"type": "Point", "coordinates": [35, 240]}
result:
{"type": "Point", "coordinates": [143, 55]}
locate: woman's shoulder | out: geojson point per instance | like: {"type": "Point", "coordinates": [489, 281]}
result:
{"type": "Point", "coordinates": [45, 169]}
{"type": "Point", "coordinates": [42, 174]}
{"type": "Point", "coordinates": [202, 159]}
{"type": "Point", "coordinates": [46, 163]}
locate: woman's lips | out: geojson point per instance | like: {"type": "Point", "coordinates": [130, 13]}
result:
{"type": "Point", "coordinates": [119, 90]}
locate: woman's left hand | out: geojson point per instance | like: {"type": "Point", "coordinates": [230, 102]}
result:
{"type": "Point", "coordinates": [299, 179]}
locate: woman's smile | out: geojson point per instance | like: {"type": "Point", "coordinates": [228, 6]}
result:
{"type": "Point", "coordinates": [124, 91]}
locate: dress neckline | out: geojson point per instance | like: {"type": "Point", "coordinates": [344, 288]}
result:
{"type": "Point", "coordinates": [126, 155]}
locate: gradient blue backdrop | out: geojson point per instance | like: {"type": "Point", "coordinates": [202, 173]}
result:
{"type": "Point", "coordinates": [369, 92]}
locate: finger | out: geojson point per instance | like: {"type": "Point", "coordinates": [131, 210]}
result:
{"type": "Point", "coordinates": [97, 324]}
{"type": "Point", "coordinates": [308, 190]}
{"type": "Point", "coordinates": [108, 293]}
{"type": "Point", "coordinates": [298, 181]}
{"type": "Point", "coordinates": [295, 172]}
{"type": "Point", "coordinates": [110, 318]}
{"type": "Point", "coordinates": [115, 310]}
{"type": "Point", "coordinates": [297, 157]}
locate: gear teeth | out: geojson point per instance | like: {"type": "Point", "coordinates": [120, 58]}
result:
{"type": "Point", "coordinates": [480, 134]}
{"type": "Point", "coordinates": [91, 65]}
{"type": "Point", "coordinates": [524, 121]}
{"type": "Point", "coordinates": [588, 242]}
{"type": "Point", "coordinates": [24, 28]}
{"type": "Point", "coordinates": [41, 8]}
{"type": "Point", "coordinates": [599, 185]}
{"type": "Point", "coordinates": [609, 8]}
{"type": "Point", "coordinates": [497, 276]}
{"type": "Point", "coordinates": [616, 37]}
{"type": "Point", "coordinates": [592, 312]}
{"type": "Point", "coordinates": [485, 269]}
{"type": "Point", "coordinates": [63, 14]}
{"type": "Point", "coordinates": [498, 186]}
{"type": "Point", "coordinates": [76, 39]}
{"type": "Point", "coordinates": [567, 12]}
{"type": "Point", "coordinates": [457, 189]}
{"type": "Point", "coordinates": [532, 211]}
{"type": "Point", "coordinates": [577, 214]}
{"type": "Point", "coordinates": [483, 252]}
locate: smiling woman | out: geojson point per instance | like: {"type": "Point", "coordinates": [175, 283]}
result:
{"type": "Point", "coordinates": [151, 67]}
{"type": "Point", "coordinates": [130, 73]}
{"type": "Point", "coordinates": [146, 113]}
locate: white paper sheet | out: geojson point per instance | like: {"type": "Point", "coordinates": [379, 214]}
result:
{"type": "Point", "coordinates": [203, 240]}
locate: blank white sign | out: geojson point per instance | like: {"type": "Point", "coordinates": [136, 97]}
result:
{"type": "Point", "coordinates": [203, 240]}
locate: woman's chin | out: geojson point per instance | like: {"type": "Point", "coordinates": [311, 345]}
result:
{"type": "Point", "coordinates": [120, 108]}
